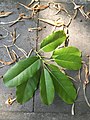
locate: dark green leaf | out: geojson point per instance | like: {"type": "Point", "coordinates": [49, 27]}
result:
{"type": "Point", "coordinates": [63, 85]}
{"type": "Point", "coordinates": [26, 90]}
{"type": "Point", "coordinates": [22, 71]}
{"type": "Point", "coordinates": [46, 88]}
{"type": "Point", "coordinates": [66, 51]}
{"type": "Point", "coordinates": [53, 41]}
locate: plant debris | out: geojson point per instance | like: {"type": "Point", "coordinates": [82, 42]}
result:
{"type": "Point", "coordinates": [13, 35]}
{"type": "Point", "coordinates": [73, 105]}
{"type": "Point", "coordinates": [59, 7]}
{"type": "Point", "coordinates": [52, 22]}
{"type": "Point", "coordinates": [88, 14]}
{"type": "Point", "coordinates": [10, 101]}
{"type": "Point", "coordinates": [80, 8]}
{"type": "Point", "coordinates": [85, 83]}
{"type": "Point", "coordinates": [32, 2]}
{"type": "Point", "coordinates": [36, 8]}
{"type": "Point", "coordinates": [22, 50]}
{"type": "Point", "coordinates": [3, 36]}
{"type": "Point", "coordinates": [5, 14]}
{"type": "Point", "coordinates": [36, 28]}
{"type": "Point", "coordinates": [21, 16]}
{"type": "Point", "coordinates": [13, 57]}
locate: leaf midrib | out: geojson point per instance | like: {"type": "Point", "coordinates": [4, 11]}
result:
{"type": "Point", "coordinates": [61, 85]}
{"type": "Point", "coordinates": [24, 70]}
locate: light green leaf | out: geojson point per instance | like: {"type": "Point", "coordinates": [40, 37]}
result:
{"type": "Point", "coordinates": [46, 88]}
{"type": "Point", "coordinates": [52, 41]}
{"type": "Point", "coordinates": [66, 51]}
{"type": "Point", "coordinates": [22, 71]}
{"type": "Point", "coordinates": [71, 62]}
{"type": "Point", "coordinates": [63, 86]}
{"type": "Point", "coordinates": [26, 90]}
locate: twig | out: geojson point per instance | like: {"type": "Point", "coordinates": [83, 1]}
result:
{"type": "Point", "coordinates": [72, 78]}
{"type": "Point", "coordinates": [9, 54]}
{"type": "Point", "coordinates": [85, 83]}
{"type": "Point", "coordinates": [5, 14]}
{"type": "Point", "coordinates": [52, 22]}
{"type": "Point", "coordinates": [79, 75]}
{"type": "Point", "coordinates": [32, 2]}
{"type": "Point", "coordinates": [72, 109]}
{"type": "Point", "coordinates": [1, 36]}
{"type": "Point", "coordinates": [30, 52]}
{"type": "Point", "coordinates": [36, 28]}
{"type": "Point", "coordinates": [10, 101]}
{"type": "Point", "coordinates": [73, 105]}
{"type": "Point", "coordinates": [21, 16]}
{"type": "Point", "coordinates": [7, 46]}
{"type": "Point", "coordinates": [80, 8]}
{"type": "Point", "coordinates": [84, 91]}
{"type": "Point", "coordinates": [15, 54]}
{"type": "Point", "coordinates": [22, 50]}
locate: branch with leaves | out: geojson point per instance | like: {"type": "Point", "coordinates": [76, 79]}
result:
{"type": "Point", "coordinates": [26, 74]}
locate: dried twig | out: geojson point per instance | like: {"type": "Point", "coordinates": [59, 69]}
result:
{"type": "Point", "coordinates": [80, 8]}
{"type": "Point", "coordinates": [36, 8]}
{"type": "Point", "coordinates": [9, 54]}
{"type": "Point", "coordinates": [79, 75]}
{"type": "Point", "coordinates": [30, 52]}
{"type": "Point", "coordinates": [13, 35]}
{"type": "Point", "coordinates": [10, 101]}
{"type": "Point", "coordinates": [22, 50]}
{"type": "Point", "coordinates": [36, 28]}
{"type": "Point", "coordinates": [88, 14]}
{"type": "Point", "coordinates": [3, 36]}
{"type": "Point", "coordinates": [72, 78]}
{"type": "Point", "coordinates": [32, 2]}
{"type": "Point", "coordinates": [73, 105]}
{"type": "Point", "coordinates": [7, 46]}
{"type": "Point", "coordinates": [53, 22]}
{"type": "Point", "coordinates": [59, 7]}
{"type": "Point", "coordinates": [85, 83]}
{"type": "Point", "coordinates": [13, 58]}
{"type": "Point", "coordinates": [5, 14]}
{"type": "Point", "coordinates": [25, 6]}
{"type": "Point", "coordinates": [21, 16]}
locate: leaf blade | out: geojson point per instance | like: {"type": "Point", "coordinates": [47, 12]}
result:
{"type": "Point", "coordinates": [63, 85]}
{"type": "Point", "coordinates": [70, 62]}
{"type": "Point", "coordinates": [67, 50]}
{"type": "Point", "coordinates": [53, 41]}
{"type": "Point", "coordinates": [26, 90]}
{"type": "Point", "coordinates": [21, 71]}
{"type": "Point", "coordinates": [46, 88]}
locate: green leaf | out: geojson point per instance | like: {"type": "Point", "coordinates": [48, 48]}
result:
{"type": "Point", "coordinates": [26, 90]}
{"type": "Point", "coordinates": [52, 41]}
{"type": "Point", "coordinates": [22, 71]}
{"type": "Point", "coordinates": [63, 86]}
{"type": "Point", "coordinates": [46, 88]}
{"type": "Point", "coordinates": [71, 62]}
{"type": "Point", "coordinates": [66, 51]}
